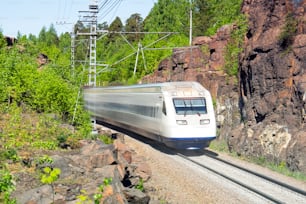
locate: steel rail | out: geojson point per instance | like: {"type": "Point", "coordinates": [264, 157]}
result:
{"type": "Point", "coordinates": [262, 194]}
{"type": "Point", "coordinates": [287, 186]}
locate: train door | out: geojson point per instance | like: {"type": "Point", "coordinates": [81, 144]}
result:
{"type": "Point", "coordinates": [163, 120]}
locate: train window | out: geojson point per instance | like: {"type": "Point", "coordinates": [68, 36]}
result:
{"type": "Point", "coordinates": [164, 108]}
{"type": "Point", "coordinates": [149, 111]}
{"type": "Point", "coordinates": [190, 106]}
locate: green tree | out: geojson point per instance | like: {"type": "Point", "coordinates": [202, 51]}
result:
{"type": "Point", "coordinates": [2, 41]}
{"type": "Point", "coordinates": [48, 37]}
{"type": "Point", "coordinates": [32, 38]}
{"type": "Point", "coordinates": [218, 13]}
{"type": "Point", "coordinates": [168, 16]}
{"type": "Point", "coordinates": [115, 26]}
{"type": "Point", "coordinates": [200, 17]}
{"type": "Point", "coordinates": [42, 36]}
{"type": "Point", "coordinates": [102, 26]}
{"type": "Point", "coordinates": [80, 27]}
{"type": "Point", "coordinates": [52, 94]}
{"type": "Point", "coordinates": [134, 24]}
{"type": "Point", "coordinates": [18, 73]}
{"type": "Point", "coordinates": [51, 36]}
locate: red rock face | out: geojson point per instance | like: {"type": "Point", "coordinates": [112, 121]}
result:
{"type": "Point", "coordinates": [270, 97]}
{"type": "Point", "coordinates": [272, 76]}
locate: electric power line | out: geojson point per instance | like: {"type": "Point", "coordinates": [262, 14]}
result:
{"type": "Point", "coordinates": [109, 8]}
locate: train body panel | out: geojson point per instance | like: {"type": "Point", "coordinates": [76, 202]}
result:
{"type": "Point", "coordinates": [178, 114]}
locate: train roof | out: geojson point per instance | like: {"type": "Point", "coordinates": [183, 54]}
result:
{"type": "Point", "coordinates": [151, 88]}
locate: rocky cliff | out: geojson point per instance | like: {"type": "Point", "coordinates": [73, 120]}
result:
{"type": "Point", "coordinates": [273, 83]}
{"type": "Point", "coordinates": [260, 113]}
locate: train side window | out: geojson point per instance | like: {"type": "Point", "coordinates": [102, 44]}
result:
{"type": "Point", "coordinates": [164, 108]}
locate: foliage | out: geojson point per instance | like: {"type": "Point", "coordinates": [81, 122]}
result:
{"type": "Point", "coordinates": [215, 13]}
{"type": "Point", "coordinates": [235, 47]}
{"type": "Point", "coordinates": [45, 159]}
{"type": "Point", "coordinates": [107, 181]}
{"type": "Point", "coordinates": [140, 186]}
{"type": "Point", "coordinates": [6, 186]}
{"type": "Point", "coordinates": [106, 139]}
{"type": "Point", "coordinates": [118, 51]}
{"type": "Point", "coordinates": [49, 175]}
{"type": "Point", "coordinates": [134, 24]}
{"type": "Point", "coordinates": [169, 16]}
{"type": "Point", "coordinates": [27, 88]}
{"type": "Point", "coordinates": [219, 145]}
{"type": "Point", "coordinates": [2, 41]}
{"type": "Point", "coordinates": [115, 26]}
{"type": "Point", "coordinates": [84, 198]}
{"type": "Point", "coordinates": [288, 32]}
{"type": "Point", "coordinates": [26, 129]}
{"type": "Point", "coordinates": [48, 37]}
{"type": "Point", "coordinates": [9, 154]}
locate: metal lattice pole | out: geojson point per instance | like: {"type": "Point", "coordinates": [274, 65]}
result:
{"type": "Point", "coordinates": [72, 61]}
{"type": "Point", "coordinates": [93, 9]}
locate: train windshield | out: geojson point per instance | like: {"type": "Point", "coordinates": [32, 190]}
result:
{"type": "Point", "coordinates": [190, 106]}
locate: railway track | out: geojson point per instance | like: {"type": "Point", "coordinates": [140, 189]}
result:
{"type": "Point", "coordinates": [266, 189]}
{"type": "Point", "coordinates": [269, 189]}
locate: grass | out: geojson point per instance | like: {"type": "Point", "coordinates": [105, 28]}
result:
{"type": "Point", "coordinates": [219, 145]}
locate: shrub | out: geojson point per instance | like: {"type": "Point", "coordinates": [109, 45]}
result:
{"type": "Point", "coordinates": [6, 187]}
{"type": "Point", "coordinates": [289, 31]}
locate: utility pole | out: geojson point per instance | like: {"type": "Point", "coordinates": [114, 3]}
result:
{"type": "Point", "coordinates": [92, 77]}
{"type": "Point", "coordinates": [72, 60]}
{"type": "Point", "coordinates": [190, 24]}
{"type": "Point", "coordinates": [91, 18]}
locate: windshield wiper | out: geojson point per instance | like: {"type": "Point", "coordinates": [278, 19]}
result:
{"type": "Point", "coordinates": [185, 110]}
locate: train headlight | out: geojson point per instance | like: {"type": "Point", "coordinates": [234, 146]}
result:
{"type": "Point", "coordinates": [204, 122]}
{"type": "Point", "coordinates": [202, 93]}
{"type": "Point", "coordinates": [181, 122]}
{"type": "Point", "coordinates": [173, 93]}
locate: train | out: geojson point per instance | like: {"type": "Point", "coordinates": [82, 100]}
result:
{"type": "Point", "coordinates": [178, 114]}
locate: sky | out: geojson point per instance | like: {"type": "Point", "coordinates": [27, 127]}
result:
{"type": "Point", "coordinates": [30, 16]}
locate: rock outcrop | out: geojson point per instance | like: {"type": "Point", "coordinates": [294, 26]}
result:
{"type": "Point", "coordinates": [264, 113]}
{"type": "Point", "coordinates": [109, 171]}
{"type": "Point", "coordinates": [273, 83]}
{"type": "Point", "coordinates": [10, 41]}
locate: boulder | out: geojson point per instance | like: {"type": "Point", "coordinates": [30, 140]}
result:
{"type": "Point", "coordinates": [85, 173]}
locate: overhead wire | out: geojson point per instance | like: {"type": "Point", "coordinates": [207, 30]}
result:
{"type": "Point", "coordinates": [64, 11]}
{"type": "Point", "coordinates": [103, 4]}
{"type": "Point", "coordinates": [58, 10]}
{"type": "Point", "coordinates": [65, 7]}
{"type": "Point", "coordinates": [109, 7]}
{"type": "Point", "coordinates": [70, 8]}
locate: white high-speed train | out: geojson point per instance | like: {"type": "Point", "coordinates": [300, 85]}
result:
{"type": "Point", "coordinates": [178, 114]}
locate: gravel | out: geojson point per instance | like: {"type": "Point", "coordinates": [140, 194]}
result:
{"type": "Point", "coordinates": [176, 181]}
